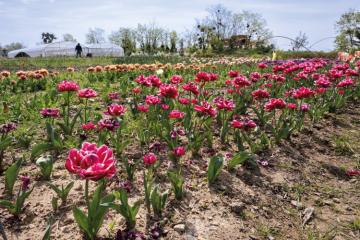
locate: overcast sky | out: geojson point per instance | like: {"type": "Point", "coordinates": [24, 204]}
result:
{"type": "Point", "coordinates": [25, 20]}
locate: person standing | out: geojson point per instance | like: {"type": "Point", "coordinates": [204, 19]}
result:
{"type": "Point", "coordinates": [78, 50]}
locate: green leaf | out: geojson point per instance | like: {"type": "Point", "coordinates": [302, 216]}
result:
{"type": "Point", "coordinates": [47, 235]}
{"type": "Point", "coordinates": [11, 175]}
{"type": "Point", "coordinates": [82, 220]}
{"type": "Point", "coordinates": [214, 168]}
{"type": "Point", "coordinates": [7, 204]}
{"type": "Point", "coordinates": [40, 148]}
{"type": "Point", "coordinates": [5, 143]}
{"type": "Point", "coordinates": [72, 124]}
{"type": "Point", "coordinates": [239, 158]}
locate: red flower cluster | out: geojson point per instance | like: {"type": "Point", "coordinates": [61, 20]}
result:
{"type": "Point", "coordinates": [323, 82]}
{"type": "Point", "coordinates": [206, 109]}
{"type": "Point", "coordinates": [233, 74]}
{"type": "Point", "coordinates": [191, 87]}
{"type": "Point", "coordinates": [303, 92]}
{"type": "Point", "coordinates": [176, 79]}
{"type": "Point", "coordinates": [176, 114]}
{"type": "Point", "coordinates": [241, 81]}
{"type": "Point", "coordinates": [205, 77]}
{"type": "Point", "coordinates": [179, 151]}
{"type": "Point", "coordinates": [143, 108]}
{"type": "Point", "coordinates": [149, 159]}
{"type": "Point", "coordinates": [109, 124]}
{"type": "Point", "coordinates": [152, 100]}
{"type": "Point", "coordinates": [88, 126]}
{"type": "Point", "coordinates": [50, 112]}
{"type": "Point", "coordinates": [91, 162]}
{"type": "Point", "coordinates": [115, 110]}
{"type": "Point", "coordinates": [260, 94]}
{"type": "Point", "coordinates": [274, 103]}
{"type": "Point", "coordinates": [67, 86]}
{"type": "Point", "coordinates": [244, 124]}
{"type": "Point", "coordinates": [87, 93]}
{"type": "Point", "coordinates": [345, 83]}
{"type": "Point", "coordinates": [168, 91]}
{"type": "Point", "coordinates": [222, 103]}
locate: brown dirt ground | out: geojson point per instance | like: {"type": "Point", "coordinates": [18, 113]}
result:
{"type": "Point", "coordinates": [246, 203]}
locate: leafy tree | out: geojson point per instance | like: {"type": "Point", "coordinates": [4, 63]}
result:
{"type": "Point", "coordinates": [48, 37]}
{"type": "Point", "coordinates": [348, 28]}
{"type": "Point", "coordinates": [173, 40]}
{"type": "Point", "coordinates": [300, 41]}
{"type": "Point", "coordinates": [67, 37]}
{"type": "Point", "coordinates": [14, 46]}
{"type": "Point", "coordinates": [95, 35]}
{"type": "Point", "coordinates": [124, 37]}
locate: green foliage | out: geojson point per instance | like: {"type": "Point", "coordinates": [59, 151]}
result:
{"type": "Point", "coordinates": [62, 192]}
{"type": "Point", "coordinates": [238, 159]}
{"type": "Point", "coordinates": [16, 207]}
{"type": "Point", "coordinates": [158, 201]}
{"type": "Point", "coordinates": [11, 175]}
{"type": "Point", "coordinates": [214, 168]}
{"type": "Point", "coordinates": [47, 234]}
{"type": "Point", "coordinates": [148, 183]}
{"type": "Point", "coordinates": [46, 166]}
{"type": "Point", "coordinates": [125, 209]}
{"type": "Point", "coordinates": [177, 183]}
{"type": "Point", "coordinates": [97, 208]}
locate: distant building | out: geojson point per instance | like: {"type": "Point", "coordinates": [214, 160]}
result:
{"type": "Point", "coordinates": [68, 49]}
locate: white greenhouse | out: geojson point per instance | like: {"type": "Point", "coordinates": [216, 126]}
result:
{"type": "Point", "coordinates": [68, 49]}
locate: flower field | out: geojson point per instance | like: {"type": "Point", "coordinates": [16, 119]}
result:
{"type": "Point", "coordinates": [207, 149]}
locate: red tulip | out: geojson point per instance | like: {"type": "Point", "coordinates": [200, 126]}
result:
{"type": "Point", "coordinates": [88, 126]}
{"type": "Point", "coordinates": [87, 93]}
{"type": "Point", "coordinates": [91, 162]}
{"type": "Point", "coordinates": [176, 114]}
{"type": "Point", "coordinates": [206, 109]}
{"type": "Point", "coordinates": [275, 103]}
{"type": "Point", "coordinates": [67, 86]}
{"type": "Point", "coordinates": [50, 112]}
{"type": "Point", "coordinates": [179, 151]}
{"type": "Point", "coordinates": [149, 159]}
{"type": "Point", "coordinates": [115, 110]}
{"type": "Point", "coordinates": [152, 100]}
{"type": "Point", "coordinates": [168, 91]}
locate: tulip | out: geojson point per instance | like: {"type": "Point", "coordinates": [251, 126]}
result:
{"type": "Point", "coordinates": [91, 162]}
{"type": "Point", "coordinates": [149, 159]}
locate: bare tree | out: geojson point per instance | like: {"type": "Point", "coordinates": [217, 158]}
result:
{"type": "Point", "coordinates": [301, 41]}
{"type": "Point", "coordinates": [96, 35]}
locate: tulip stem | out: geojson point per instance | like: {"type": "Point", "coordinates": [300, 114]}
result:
{"type": "Point", "coordinates": [87, 192]}
{"type": "Point", "coordinates": [85, 117]}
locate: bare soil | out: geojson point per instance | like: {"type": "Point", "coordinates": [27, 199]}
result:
{"type": "Point", "coordinates": [264, 202]}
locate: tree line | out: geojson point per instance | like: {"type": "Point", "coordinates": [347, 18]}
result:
{"type": "Point", "coordinates": [220, 30]}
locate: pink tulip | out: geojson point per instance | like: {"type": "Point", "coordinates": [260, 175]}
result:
{"type": "Point", "coordinates": [91, 162]}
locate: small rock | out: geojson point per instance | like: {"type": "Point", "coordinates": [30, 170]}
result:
{"type": "Point", "coordinates": [328, 202]}
{"type": "Point", "coordinates": [348, 208]}
{"type": "Point", "coordinates": [336, 200]}
{"type": "Point", "coordinates": [180, 228]}
{"type": "Point", "coordinates": [296, 204]}
{"type": "Point", "coordinates": [237, 207]}
{"type": "Point", "coordinates": [307, 215]}
{"type": "Point", "coordinates": [79, 187]}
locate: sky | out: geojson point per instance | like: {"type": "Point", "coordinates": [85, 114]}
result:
{"type": "Point", "coordinates": [24, 20]}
